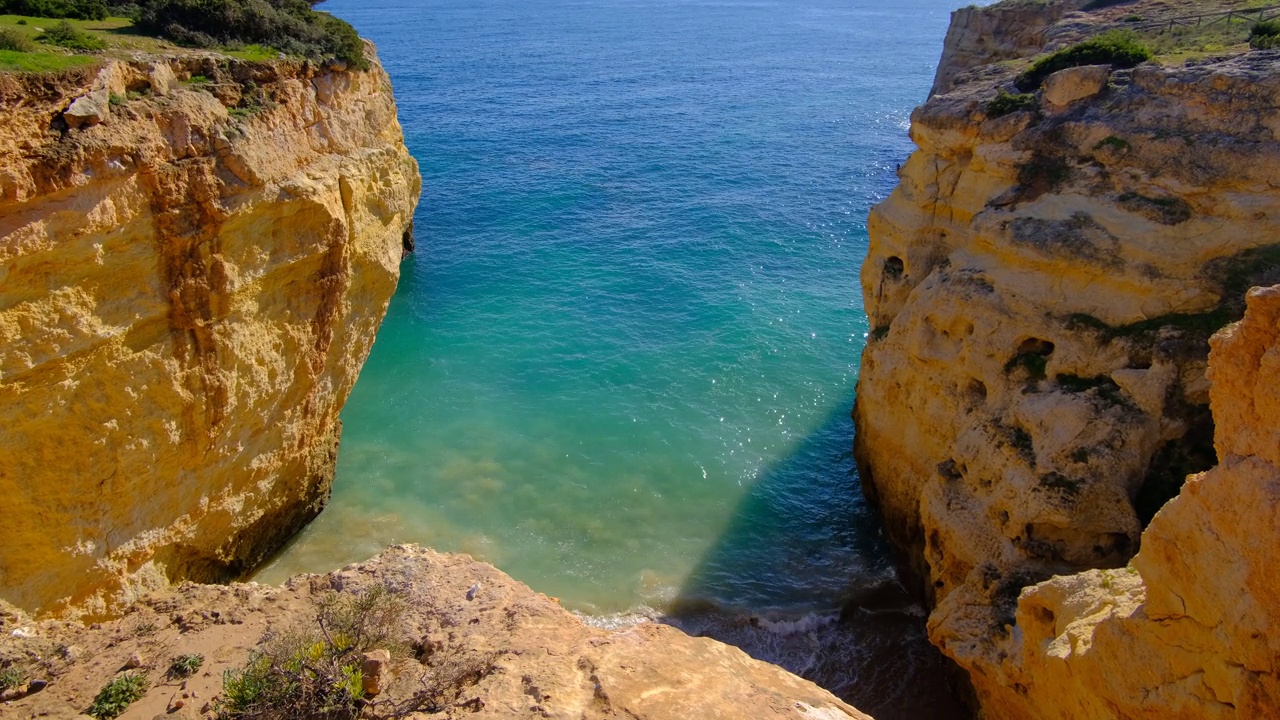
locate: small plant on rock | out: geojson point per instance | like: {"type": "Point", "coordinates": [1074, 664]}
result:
{"type": "Point", "coordinates": [314, 672]}
{"type": "Point", "coordinates": [117, 695]}
{"type": "Point", "coordinates": [10, 677]}
{"type": "Point", "coordinates": [1005, 103]}
{"type": "Point", "coordinates": [185, 665]}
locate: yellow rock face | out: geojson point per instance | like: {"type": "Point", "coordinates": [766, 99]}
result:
{"type": "Point", "coordinates": [1041, 287]}
{"type": "Point", "coordinates": [1192, 628]}
{"type": "Point", "coordinates": [188, 288]}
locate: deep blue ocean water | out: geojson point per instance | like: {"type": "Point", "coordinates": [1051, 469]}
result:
{"type": "Point", "coordinates": [621, 362]}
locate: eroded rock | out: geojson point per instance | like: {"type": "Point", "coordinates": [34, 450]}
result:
{"type": "Point", "coordinates": [1041, 289]}
{"type": "Point", "coordinates": [1067, 86]}
{"type": "Point", "coordinates": [88, 110]}
{"type": "Point", "coordinates": [187, 294]}
{"type": "Point", "coordinates": [509, 653]}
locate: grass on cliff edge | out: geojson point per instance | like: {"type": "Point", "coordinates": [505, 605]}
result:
{"type": "Point", "coordinates": [116, 33]}
{"type": "Point", "coordinates": [13, 61]}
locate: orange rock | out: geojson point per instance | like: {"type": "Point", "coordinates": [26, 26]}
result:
{"type": "Point", "coordinates": [186, 298]}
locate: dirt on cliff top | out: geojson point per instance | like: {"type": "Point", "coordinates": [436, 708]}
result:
{"type": "Point", "coordinates": [471, 642]}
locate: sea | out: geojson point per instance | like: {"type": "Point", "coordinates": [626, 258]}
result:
{"type": "Point", "coordinates": [620, 363]}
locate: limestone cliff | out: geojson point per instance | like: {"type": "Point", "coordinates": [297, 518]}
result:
{"type": "Point", "coordinates": [524, 655]}
{"type": "Point", "coordinates": [195, 254]}
{"type": "Point", "coordinates": [1191, 629]}
{"type": "Point", "coordinates": [979, 36]}
{"type": "Point", "coordinates": [1042, 285]}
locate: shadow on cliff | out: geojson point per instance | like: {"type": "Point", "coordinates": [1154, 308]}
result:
{"type": "Point", "coordinates": [815, 590]}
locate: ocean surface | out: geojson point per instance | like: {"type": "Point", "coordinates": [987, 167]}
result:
{"type": "Point", "coordinates": [621, 363]}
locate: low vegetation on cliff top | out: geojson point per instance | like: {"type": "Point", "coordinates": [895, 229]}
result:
{"type": "Point", "coordinates": [261, 28]}
{"type": "Point", "coordinates": [314, 671]}
{"type": "Point", "coordinates": [1117, 48]}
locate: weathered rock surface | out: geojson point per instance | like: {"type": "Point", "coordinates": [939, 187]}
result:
{"type": "Point", "coordinates": [188, 289]}
{"type": "Point", "coordinates": [540, 661]}
{"type": "Point", "coordinates": [1192, 628]}
{"type": "Point", "coordinates": [1067, 86]}
{"type": "Point", "coordinates": [980, 36]}
{"type": "Point", "coordinates": [1041, 288]}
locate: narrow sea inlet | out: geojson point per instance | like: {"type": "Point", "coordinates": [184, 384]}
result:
{"type": "Point", "coordinates": [621, 362]}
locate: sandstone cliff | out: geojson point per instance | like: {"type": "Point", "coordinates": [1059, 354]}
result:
{"type": "Point", "coordinates": [195, 254]}
{"type": "Point", "coordinates": [1191, 629]}
{"type": "Point", "coordinates": [533, 659]}
{"type": "Point", "coordinates": [1041, 286]}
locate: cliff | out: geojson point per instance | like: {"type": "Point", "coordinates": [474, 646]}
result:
{"type": "Point", "coordinates": [195, 254]}
{"type": "Point", "coordinates": [1190, 628]}
{"type": "Point", "coordinates": [1042, 286]}
{"type": "Point", "coordinates": [476, 644]}
{"type": "Point", "coordinates": [979, 36]}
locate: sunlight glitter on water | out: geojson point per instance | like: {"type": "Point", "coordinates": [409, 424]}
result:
{"type": "Point", "coordinates": [621, 363]}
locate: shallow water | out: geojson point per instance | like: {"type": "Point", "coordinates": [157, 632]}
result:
{"type": "Point", "coordinates": [621, 363]}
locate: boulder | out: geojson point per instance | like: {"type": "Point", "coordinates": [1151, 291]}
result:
{"type": "Point", "coordinates": [88, 110]}
{"type": "Point", "coordinates": [1067, 86]}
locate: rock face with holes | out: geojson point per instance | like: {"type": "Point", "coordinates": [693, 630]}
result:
{"type": "Point", "coordinates": [1041, 288]}
{"type": "Point", "coordinates": [188, 288]}
{"type": "Point", "coordinates": [503, 651]}
{"type": "Point", "coordinates": [1191, 629]}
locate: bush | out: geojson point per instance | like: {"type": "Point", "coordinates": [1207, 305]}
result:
{"type": "Point", "coordinates": [116, 695]}
{"type": "Point", "coordinates": [1265, 35]}
{"type": "Point", "coordinates": [1117, 48]}
{"type": "Point", "coordinates": [1005, 103]}
{"type": "Point", "coordinates": [10, 677]}
{"type": "Point", "coordinates": [290, 26]}
{"type": "Point", "coordinates": [74, 9]}
{"type": "Point", "coordinates": [314, 672]}
{"type": "Point", "coordinates": [185, 665]}
{"type": "Point", "coordinates": [64, 35]}
{"type": "Point", "coordinates": [11, 39]}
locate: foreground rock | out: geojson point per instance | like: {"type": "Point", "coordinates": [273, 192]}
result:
{"type": "Point", "coordinates": [195, 254]}
{"type": "Point", "coordinates": [539, 660]}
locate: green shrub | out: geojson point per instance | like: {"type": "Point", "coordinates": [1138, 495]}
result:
{"type": "Point", "coordinates": [290, 26]}
{"type": "Point", "coordinates": [185, 665]}
{"type": "Point", "coordinates": [10, 677]}
{"type": "Point", "coordinates": [11, 39]}
{"type": "Point", "coordinates": [314, 672]}
{"type": "Point", "coordinates": [1005, 103]}
{"type": "Point", "coordinates": [1117, 48]}
{"type": "Point", "coordinates": [1113, 142]}
{"type": "Point", "coordinates": [1265, 35]}
{"type": "Point", "coordinates": [74, 9]}
{"type": "Point", "coordinates": [116, 695]}
{"type": "Point", "coordinates": [64, 35]}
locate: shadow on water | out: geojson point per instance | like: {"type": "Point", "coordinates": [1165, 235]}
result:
{"type": "Point", "coordinates": [815, 591]}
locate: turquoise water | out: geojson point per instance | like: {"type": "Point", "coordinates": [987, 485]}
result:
{"type": "Point", "coordinates": [620, 364]}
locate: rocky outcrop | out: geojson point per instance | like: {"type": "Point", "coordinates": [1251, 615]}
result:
{"type": "Point", "coordinates": [531, 658]}
{"type": "Point", "coordinates": [979, 36]}
{"type": "Point", "coordinates": [1191, 629]}
{"type": "Point", "coordinates": [1041, 288]}
{"type": "Point", "coordinates": [195, 254]}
